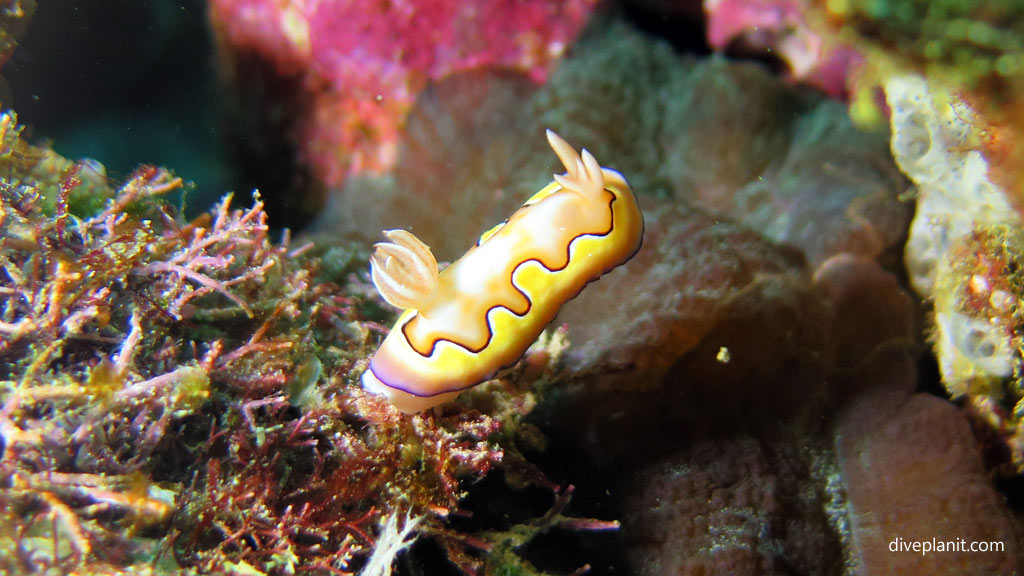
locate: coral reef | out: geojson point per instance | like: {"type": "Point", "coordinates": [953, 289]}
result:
{"type": "Point", "coordinates": [831, 192]}
{"type": "Point", "coordinates": [973, 50]}
{"type": "Point", "coordinates": [761, 177]}
{"type": "Point", "coordinates": [957, 40]}
{"type": "Point", "coordinates": [715, 376]}
{"type": "Point", "coordinates": [745, 395]}
{"type": "Point", "coordinates": [182, 394]}
{"type": "Point", "coordinates": [363, 64]}
{"type": "Point", "coordinates": [958, 47]}
{"type": "Point", "coordinates": [86, 400]}
{"type": "Point", "coordinates": [950, 73]}
{"type": "Point", "coordinates": [782, 28]}
{"type": "Point", "coordinates": [978, 333]}
{"type": "Point", "coordinates": [933, 143]}
{"type": "Point", "coordinates": [819, 494]}
{"type": "Point", "coordinates": [962, 255]}
{"type": "Point", "coordinates": [933, 489]}
{"type": "Point", "coordinates": [702, 278]}
{"type": "Point", "coordinates": [731, 506]}
{"type": "Point", "coordinates": [710, 132]}
{"type": "Point", "coordinates": [757, 318]}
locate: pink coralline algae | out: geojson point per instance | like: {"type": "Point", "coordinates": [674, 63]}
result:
{"type": "Point", "coordinates": [363, 63]}
{"type": "Point", "coordinates": [781, 27]}
{"type": "Point", "coordinates": [727, 137]}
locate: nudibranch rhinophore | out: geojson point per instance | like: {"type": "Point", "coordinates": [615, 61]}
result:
{"type": "Point", "coordinates": [479, 315]}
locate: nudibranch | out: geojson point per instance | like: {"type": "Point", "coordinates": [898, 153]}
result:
{"type": "Point", "coordinates": [479, 315]}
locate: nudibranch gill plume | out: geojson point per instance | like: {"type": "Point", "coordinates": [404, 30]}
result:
{"type": "Point", "coordinates": [464, 324]}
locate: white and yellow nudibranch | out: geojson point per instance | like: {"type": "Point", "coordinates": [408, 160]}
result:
{"type": "Point", "coordinates": [479, 315]}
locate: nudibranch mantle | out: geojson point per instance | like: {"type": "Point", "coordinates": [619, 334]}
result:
{"type": "Point", "coordinates": [463, 325]}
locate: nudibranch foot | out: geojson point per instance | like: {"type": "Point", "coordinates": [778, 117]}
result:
{"type": "Point", "coordinates": [479, 315]}
{"type": "Point", "coordinates": [404, 401]}
{"type": "Point", "coordinates": [408, 403]}
{"type": "Point", "coordinates": [403, 270]}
